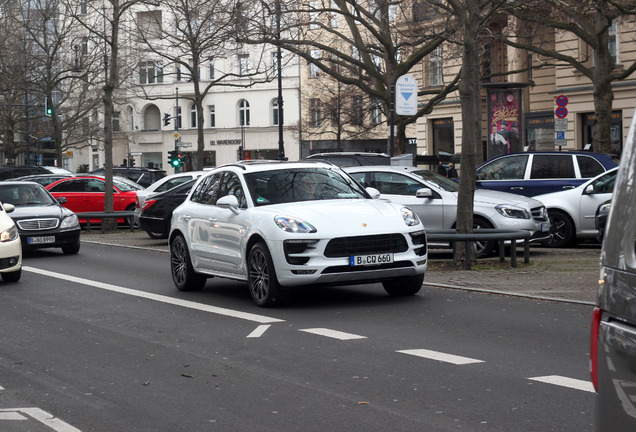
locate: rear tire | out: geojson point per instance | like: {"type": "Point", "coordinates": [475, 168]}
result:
{"type": "Point", "coordinates": [404, 286]}
{"type": "Point", "coordinates": [156, 235]}
{"type": "Point", "coordinates": [183, 274]}
{"type": "Point", "coordinates": [13, 276]}
{"type": "Point", "coordinates": [261, 276]}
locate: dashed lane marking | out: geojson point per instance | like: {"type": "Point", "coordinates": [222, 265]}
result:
{"type": "Point", "coordinates": [37, 414]}
{"type": "Point", "coordinates": [156, 297]}
{"type": "Point", "coordinates": [258, 331]}
{"type": "Point", "coordinates": [440, 356]}
{"type": "Point", "coordinates": [333, 334]}
{"type": "Point", "coordinates": [566, 382]}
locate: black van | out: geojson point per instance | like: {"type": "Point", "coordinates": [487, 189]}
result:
{"type": "Point", "coordinates": [613, 350]}
{"type": "Point", "coordinates": [143, 176]}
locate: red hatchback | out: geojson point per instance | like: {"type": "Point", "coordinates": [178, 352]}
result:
{"type": "Point", "coordinates": [86, 194]}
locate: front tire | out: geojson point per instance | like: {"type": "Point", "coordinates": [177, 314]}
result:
{"type": "Point", "coordinates": [183, 274]}
{"type": "Point", "coordinates": [561, 230]}
{"type": "Point", "coordinates": [71, 249]}
{"type": "Point", "coordinates": [13, 276]}
{"type": "Point", "coordinates": [261, 275]}
{"type": "Point", "coordinates": [404, 286]}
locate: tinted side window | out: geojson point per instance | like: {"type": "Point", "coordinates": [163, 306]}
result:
{"type": "Point", "coordinates": [69, 186]}
{"type": "Point", "coordinates": [605, 183]}
{"type": "Point", "coordinates": [172, 183]}
{"type": "Point", "coordinates": [94, 186]}
{"type": "Point", "coordinates": [396, 184]}
{"type": "Point", "coordinates": [207, 192]}
{"type": "Point", "coordinates": [552, 166]}
{"type": "Point", "coordinates": [232, 186]}
{"type": "Point", "coordinates": [369, 160]}
{"type": "Point", "coordinates": [589, 166]}
{"type": "Point", "coordinates": [506, 168]}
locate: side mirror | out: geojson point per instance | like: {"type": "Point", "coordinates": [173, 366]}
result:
{"type": "Point", "coordinates": [8, 207]}
{"type": "Point", "coordinates": [589, 189]}
{"type": "Point", "coordinates": [229, 202]}
{"type": "Point", "coordinates": [61, 200]}
{"type": "Point", "coordinates": [424, 193]}
{"type": "Point", "coordinates": [375, 194]}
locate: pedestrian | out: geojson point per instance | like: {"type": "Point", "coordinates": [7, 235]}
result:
{"type": "Point", "coordinates": [451, 172]}
{"type": "Point", "coordinates": [441, 170]}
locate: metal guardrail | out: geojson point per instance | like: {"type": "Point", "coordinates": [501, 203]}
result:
{"type": "Point", "coordinates": [486, 234]}
{"type": "Point", "coordinates": [106, 215]}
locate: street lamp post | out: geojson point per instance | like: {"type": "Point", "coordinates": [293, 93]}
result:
{"type": "Point", "coordinates": [279, 70]}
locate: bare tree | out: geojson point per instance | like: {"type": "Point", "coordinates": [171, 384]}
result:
{"type": "Point", "coordinates": [191, 37]}
{"type": "Point", "coordinates": [368, 45]}
{"type": "Point", "coordinates": [339, 112]}
{"type": "Point", "coordinates": [590, 22]}
{"type": "Point", "coordinates": [55, 75]}
{"type": "Point", "coordinates": [111, 15]}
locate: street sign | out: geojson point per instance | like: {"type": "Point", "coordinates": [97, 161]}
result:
{"type": "Point", "coordinates": [176, 135]}
{"type": "Point", "coordinates": [406, 95]}
{"type": "Point", "coordinates": [560, 143]}
{"type": "Point", "coordinates": [561, 112]}
{"type": "Point", "coordinates": [135, 153]}
{"type": "Point", "coordinates": [562, 100]}
{"type": "Point", "coordinates": [411, 141]}
{"type": "Point", "coordinates": [560, 135]}
{"type": "Point", "coordinates": [560, 124]}
{"type": "Point", "coordinates": [184, 144]}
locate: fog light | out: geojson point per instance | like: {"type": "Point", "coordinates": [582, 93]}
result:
{"type": "Point", "coordinates": [303, 272]}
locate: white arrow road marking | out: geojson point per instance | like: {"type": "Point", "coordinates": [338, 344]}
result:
{"type": "Point", "coordinates": [439, 356]}
{"type": "Point", "coordinates": [333, 334]}
{"type": "Point", "coordinates": [258, 331]}
{"type": "Point", "coordinates": [43, 417]}
{"type": "Point", "coordinates": [566, 382]}
{"type": "Point", "coordinates": [157, 297]}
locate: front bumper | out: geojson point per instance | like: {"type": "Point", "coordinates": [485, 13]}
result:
{"type": "Point", "coordinates": [48, 239]}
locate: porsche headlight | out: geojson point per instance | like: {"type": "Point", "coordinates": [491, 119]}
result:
{"type": "Point", "coordinates": [69, 221]}
{"type": "Point", "coordinates": [410, 218]}
{"type": "Point", "coordinates": [512, 211]}
{"type": "Point", "coordinates": [293, 225]}
{"type": "Point", "coordinates": [9, 234]}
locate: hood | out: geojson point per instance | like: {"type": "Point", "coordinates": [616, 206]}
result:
{"type": "Point", "coordinates": [486, 196]}
{"type": "Point", "coordinates": [37, 211]}
{"type": "Point", "coordinates": [345, 216]}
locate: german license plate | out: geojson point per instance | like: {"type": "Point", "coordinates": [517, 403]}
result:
{"type": "Point", "coordinates": [375, 259]}
{"type": "Point", "coordinates": [41, 240]}
{"type": "Point", "coordinates": [545, 227]}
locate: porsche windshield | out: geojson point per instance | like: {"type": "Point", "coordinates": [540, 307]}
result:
{"type": "Point", "coordinates": [301, 184]}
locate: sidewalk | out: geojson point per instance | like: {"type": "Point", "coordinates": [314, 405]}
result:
{"type": "Point", "coordinates": [569, 275]}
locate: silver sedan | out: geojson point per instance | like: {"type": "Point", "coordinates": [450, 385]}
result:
{"type": "Point", "coordinates": [572, 212]}
{"type": "Point", "coordinates": [434, 199]}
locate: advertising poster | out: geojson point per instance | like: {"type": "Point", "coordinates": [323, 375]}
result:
{"type": "Point", "coordinates": [504, 107]}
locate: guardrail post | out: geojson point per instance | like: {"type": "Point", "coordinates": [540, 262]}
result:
{"type": "Point", "coordinates": [526, 251]}
{"type": "Point", "coordinates": [502, 251]}
{"type": "Point", "coordinates": [469, 255]}
{"type": "Point", "coordinates": [513, 253]}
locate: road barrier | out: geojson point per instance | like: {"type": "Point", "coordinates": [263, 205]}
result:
{"type": "Point", "coordinates": [486, 234]}
{"type": "Point", "coordinates": [106, 215]}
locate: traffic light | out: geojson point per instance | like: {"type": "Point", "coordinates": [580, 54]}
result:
{"type": "Point", "coordinates": [131, 161]}
{"type": "Point", "coordinates": [173, 159]}
{"type": "Point", "coordinates": [48, 111]}
{"type": "Point", "coordinates": [182, 159]}
{"type": "Point", "coordinates": [166, 119]}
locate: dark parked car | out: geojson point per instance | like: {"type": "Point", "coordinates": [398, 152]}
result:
{"type": "Point", "coordinates": [157, 209]}
{"type": "Point", "coordinates": [13, 171]}
{"type": "Point", "coordinates": [41, 220]}
{"type": "Point", "coordinates": [44, 179]}
{"type": "Point", "coordinates": [347, 159]}
{"type": "Point", "coordinates": [613, 347]}
{"type": "Point", "coordinates": [143, 176]}
{"type": "Point", "coordinates": [536, 173]}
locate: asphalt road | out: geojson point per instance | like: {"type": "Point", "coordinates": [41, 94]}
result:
{"type": "Point", "coordinates": [102, 341]}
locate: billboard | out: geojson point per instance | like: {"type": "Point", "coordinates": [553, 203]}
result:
{"type": "Point", "coordinates": [504, 116]}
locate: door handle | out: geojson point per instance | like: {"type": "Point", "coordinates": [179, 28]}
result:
{"type": "Point", "coordinates": [516, 188]}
